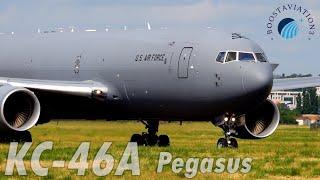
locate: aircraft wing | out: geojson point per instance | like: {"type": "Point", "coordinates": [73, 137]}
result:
{"type": "Point", "coordinates": [295, 83]}
{"type": "Point", "coordinates": [78, 88]}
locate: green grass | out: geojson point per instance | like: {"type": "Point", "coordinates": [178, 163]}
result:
{"type": "Point", "coordinates": [291, 151]}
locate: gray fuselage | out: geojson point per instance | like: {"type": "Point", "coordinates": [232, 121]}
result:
{"type": "Point", "coordinates": [158, 74]}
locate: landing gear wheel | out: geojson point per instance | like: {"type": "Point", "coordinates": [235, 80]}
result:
{"type": "Point", "coordinates": [233, 143]}
{"type": "Point", "coordinates": [24, 136]}
{"type": "Point", "coordinates": [150, 140]}
{"type": "Point", "coordinates": [222, 143]}
{"type": "Point", "coordinates": [163, 141]}
{"type": "Point", "coordinates": [137, 138]}
{"type": "Point", "coordinates": [229, 124]}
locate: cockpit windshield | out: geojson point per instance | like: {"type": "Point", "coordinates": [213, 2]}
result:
{"type": "Point", "coordinates": [220, 57]}
{"type": "Point", "coordinates": [246, 56]}
{"type": "Point", "coordinates": [231, 56]}
{"type": "Point", "coordinates": [261, 57]}
{"type": "Point", "coordinates": [228, 56]}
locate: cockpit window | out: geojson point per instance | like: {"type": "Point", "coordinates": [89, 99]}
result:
{"type": "Point", "coordinates": [261, 57]}
{"type": "Point", "coordinates": [246, 56]}
{"type": "Point", "coordinates": [231, 56]}
{"type": "Point", "coordinates": [228, 56]}
{"type": "Point", "coordinates": [220, 57]}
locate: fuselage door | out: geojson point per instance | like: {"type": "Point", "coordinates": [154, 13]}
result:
{"type": "Point", "coordinates": [183, 63]}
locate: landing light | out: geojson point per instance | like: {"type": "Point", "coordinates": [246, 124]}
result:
{"type": "Point", "coordinates": [98, 92]}
{"type": "Point", "coordinates": [99, 95]}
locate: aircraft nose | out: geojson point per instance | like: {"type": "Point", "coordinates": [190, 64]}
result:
{"type": "Point", "coordinates": [258, 81]}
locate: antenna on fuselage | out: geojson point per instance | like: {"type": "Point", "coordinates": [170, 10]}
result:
{"type": "Point", "coordinates": [72, 28]}
{"type": "Point", "coordinates": [148, 25]}
{"type": "Point", "coordinates": [238, 36]}
{"type": "Point", "coordinates": [60, 29]}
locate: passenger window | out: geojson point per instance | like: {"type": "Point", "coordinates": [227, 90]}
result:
{"type": "Point", "coordinates": [246, 57]}
{"type": "Point", "coordinates": [261, 57]}
{"type": "Point", "coordinates": [231, 56]}
{"type": "Point", "coordinates": [220, 57]}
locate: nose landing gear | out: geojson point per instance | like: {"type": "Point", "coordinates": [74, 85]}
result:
{"type": "Point", "coordinates": [228, 127]}
{"type": "Point", "coordinates": [151, 138]}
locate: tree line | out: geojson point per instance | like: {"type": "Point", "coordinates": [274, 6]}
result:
{"type": "Point", "coordinates": [306, 104]}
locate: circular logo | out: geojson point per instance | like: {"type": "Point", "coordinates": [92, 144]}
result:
{"type": "Point", "coordinates": [288, 28]}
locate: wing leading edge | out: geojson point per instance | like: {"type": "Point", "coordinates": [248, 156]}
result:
{"type": "Point", "coordinates": [295, 83]}
{"type": "Point", "coordinates": [79, 88]}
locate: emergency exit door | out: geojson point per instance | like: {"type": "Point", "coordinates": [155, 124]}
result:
{"type": "Point", "coordinates": [183, 63]}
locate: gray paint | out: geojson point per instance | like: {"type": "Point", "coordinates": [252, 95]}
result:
{"type": "Point", "coordinates": [147, 89]}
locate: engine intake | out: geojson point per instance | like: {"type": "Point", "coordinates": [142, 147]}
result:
{"type": "Point", "coordinates": [19, 108]}
{"type": "Point", "coordinates": [259, 123]}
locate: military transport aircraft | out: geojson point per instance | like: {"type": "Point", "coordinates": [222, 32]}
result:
{"type": "Point", "coordinates": [198, 75]}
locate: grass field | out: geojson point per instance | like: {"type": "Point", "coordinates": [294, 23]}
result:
{"type": "Point", "coordinates": [291, 152]}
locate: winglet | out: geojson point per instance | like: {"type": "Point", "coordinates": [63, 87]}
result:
{"type": "Point", "coordinates": [274, 66]}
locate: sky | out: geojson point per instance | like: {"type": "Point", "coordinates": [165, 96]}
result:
{"type": "Point", "coordinates": [248, 17]}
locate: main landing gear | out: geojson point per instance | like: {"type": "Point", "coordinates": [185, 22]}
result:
{"type": "Point", "coordinates": [151, 138]}
{"type": "Point", "coordinates": [228, 127]}
{"type": "Point", "coordinates": [15, 136]}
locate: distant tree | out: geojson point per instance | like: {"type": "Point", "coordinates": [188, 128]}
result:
{"type": "Point", "coordinates": [310, 101]}
{"type": "Point", "coordinates": [294, 75]}
{"type": "Point", "coordinates": [287, 116]}
{"type": "Point", "coordinates": [299, 105]}
{"type": "Point", "coordinates": [306, 102]}
{"type": "Point", "coordinates": [313, 101]}
{"type": "Point", "coordinates": [318, 104]}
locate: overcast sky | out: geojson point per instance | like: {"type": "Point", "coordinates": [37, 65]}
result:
{"type": "Point", "coordinates": [248, 17]}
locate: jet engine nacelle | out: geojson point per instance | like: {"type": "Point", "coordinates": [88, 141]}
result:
{"type": "Point", "coordinates": [259, 123]}
{"type": "Point", "coordinates": [19, 108]}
